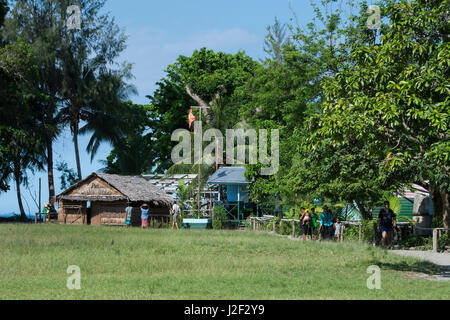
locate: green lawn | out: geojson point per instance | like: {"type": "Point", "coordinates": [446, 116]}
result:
{"type": "Point", "coordinates": [117, 263]}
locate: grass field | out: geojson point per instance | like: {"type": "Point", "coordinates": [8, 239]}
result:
{"type": "Point", "coordinates": [117, 263]}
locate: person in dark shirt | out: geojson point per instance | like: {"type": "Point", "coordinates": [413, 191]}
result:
{"type": "Point", "coordinates": [326, 224]}
{"type": "Point", "coordinates": [386, 222]}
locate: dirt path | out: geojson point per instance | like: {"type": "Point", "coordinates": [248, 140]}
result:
{"type": "Point", "coordinates": [440, 259]}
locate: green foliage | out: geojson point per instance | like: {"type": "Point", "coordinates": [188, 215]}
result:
{"type": "Point", "coordinates": [22, 141]}
{"type": "Point", "coordinates": [220, 217]}
{"type": "Point", "coordinates": [367, 230]}
{"type": "Point", "coordinates": [438, 221]}
{"type": "Point", "coordinates": [21, 218]}
{"type": "Point", "coordinates": [68, 175]}
{"type": "Point", "coordinates": [3, 10]}
{"type": "Point", "coordinates": [394, 204]}
{"type": "Point", "coordinates": [286, 90]}
{"type": "Point", "coordinates": [394, 98]}
{"type": "Point", "coordinates": [415, 241]}
{"type": "Point", "coordinates": [78, 69]}
{"type": "Point", "coordinates": [209, 74]}
{"type": "Point", "coordinates": [132, 153]}
{"type": "Point", "coordinates": [184, 192]}
{"type": "Point", "coordinates": [443, 241]}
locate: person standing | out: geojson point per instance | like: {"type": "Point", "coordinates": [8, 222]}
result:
{"type": "Point", "coordinates": [175, 212]}
{"type": "Point", "coordinates": [387, 221]}
{"type": "Point", "coordinates": [302, 223]}
{"type": "Point", "coordinates": [144, 215]}
{"type": "Point", "coordinates": [129, 212]}
{"type": "Point", "coordinates": [313, 224]}
{"type": "Point", "coordinates": [45, 212]}
{"type": "Point", "coordinates": [326, 223]}
{"type": "Point", "coordinates": [338, 228]}
{"type": "Point", "coordinates": [306, 225]}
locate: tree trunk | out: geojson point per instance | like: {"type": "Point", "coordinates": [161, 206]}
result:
{"type": "Point", "coordinates": [445, 197]}
{"type": "Point", "coordinates": [441, 206]}
{"type": "Point", "coordinates": [77, 152]}
{"type": "Point", "coordinates": [437, 203]}
{"type": "Point", "coordinates": [17, 176]}
{"type": "Point", "coordinates": [51, 182]}
{"type": "Point", "coordinates": [362, 209]}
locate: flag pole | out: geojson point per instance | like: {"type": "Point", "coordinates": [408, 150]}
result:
{"type": "Point", "coordinates": [200, 161]}
{"type": "Point", "coordinates": [199, 171]}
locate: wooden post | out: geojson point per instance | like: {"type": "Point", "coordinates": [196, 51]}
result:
{"type": "Point", "coordinates": [293, 229]}
{"type": "Point", "coordinates": [360, 232]}
{"type": "Point", "coordinates": [274, 225]}
{"type": "Point", "coordinates": [374, 235]}
{"type": "Point", "coordinates": [435, 238]}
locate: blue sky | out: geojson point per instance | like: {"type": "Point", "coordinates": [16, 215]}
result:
{"type": "Point", "coordinates": [159, 31]}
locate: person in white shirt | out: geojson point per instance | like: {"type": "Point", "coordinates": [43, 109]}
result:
{"type": "Point", "coordinates": [176, 210]}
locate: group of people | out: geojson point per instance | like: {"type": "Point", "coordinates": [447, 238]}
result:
{"type": "Point", "coordinates": [330, 229]}
{"type": "Point", "coordinates": [174, 211]}
{"type": "Point", "coordinates": [44, 215]}
{"type": "Point", "coordinates": [311, 225]}
{"type": "Point", "coordinates": [333, 228]}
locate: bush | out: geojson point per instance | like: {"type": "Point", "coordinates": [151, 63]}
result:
{"type": "Point", "coordinates": [269, 225]}
{"type": "Point", "coordinates": [421, 242]}
{"type": "Point", "coordinates": [443, 241]}
{"type": "Point", "coordinates": [219, 217]}
{"type": "Point", "coordinates": [352, 232]}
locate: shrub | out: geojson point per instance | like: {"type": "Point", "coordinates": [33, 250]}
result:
{"type": "Point", "coordinates": [421, 242]}
{"type": "Point", "coordinates": [269, 225]}
{"type": "Point", "coordinates": [352, 231]}
{"type": "Point", "coordinates": [219, 217]}
{"type": "Point", "coordinates": [443, 241]}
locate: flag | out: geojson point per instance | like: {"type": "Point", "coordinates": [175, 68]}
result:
{"type": "Point", "coordinates": [191, 118]}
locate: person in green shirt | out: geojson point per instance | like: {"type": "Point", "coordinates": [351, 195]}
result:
{"type": "Point", "coordinates": [45, 212]}
{"type": "Point", "coordinates": [313, 224]}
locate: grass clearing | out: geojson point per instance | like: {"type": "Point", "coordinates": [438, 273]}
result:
{"type": "Point", "coordinates": [117, 263]}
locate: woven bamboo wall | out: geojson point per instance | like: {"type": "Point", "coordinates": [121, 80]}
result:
{"type": "Point", "coordinates": [70, 215]}
{"type": "Point", "coordinates": [108, 213]}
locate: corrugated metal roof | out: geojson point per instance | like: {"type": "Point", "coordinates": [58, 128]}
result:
{"type": "Point", "coordinates": [229, 175]}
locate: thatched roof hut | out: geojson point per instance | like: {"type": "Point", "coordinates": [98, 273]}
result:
{"type": "Point", "coordinates": [108, 195]}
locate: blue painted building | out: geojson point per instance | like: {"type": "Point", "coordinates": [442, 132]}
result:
{"type": "Point", "coordinates": [232, 192]}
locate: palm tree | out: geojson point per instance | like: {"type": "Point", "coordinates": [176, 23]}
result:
{"type": "Point", "coordinates": [105, 119]}
{"type": "Point", "coordinates": [95, 96]}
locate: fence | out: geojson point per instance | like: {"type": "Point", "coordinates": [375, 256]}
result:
{"type": "Point", "coordinates": [257, 221]}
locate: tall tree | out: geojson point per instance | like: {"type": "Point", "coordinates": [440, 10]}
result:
{"type": "Point", "coordinates": [207, 78]}
{"type": "Point", "coordinates": [35, 23]}
{"type": "Point", "coordinates": [78, 69]}
{"type": "Point", "coordinates": [275, 40]}
{"type": "Point", "coordinates": [19, 133]}
{"type": "Point", "coordinates": [286, 90]}
{"type": "Point", "coordinates": [93, 81]}
{"type": "Point", "coordinates": [3, 10]}
{"type": "Point", "coordinates": [395, 98]}
{"type": "Point", "coordinates": [133, 152]}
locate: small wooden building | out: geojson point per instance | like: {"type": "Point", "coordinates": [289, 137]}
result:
{"type": "Point", "coordinates": [101, 199]}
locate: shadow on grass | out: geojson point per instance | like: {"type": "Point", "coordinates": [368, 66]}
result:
{"type": "Point", "coordinates": [418, 267]}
